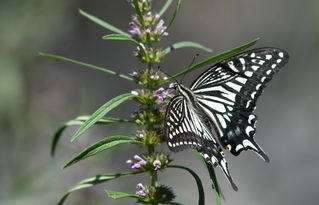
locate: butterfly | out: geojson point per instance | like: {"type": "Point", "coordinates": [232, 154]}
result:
{"type": "Point", "coordinates": [217, 111]}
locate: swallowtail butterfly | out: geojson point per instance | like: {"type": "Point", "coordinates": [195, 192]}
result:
{"type": "Point", "coordinates": [217, 111]}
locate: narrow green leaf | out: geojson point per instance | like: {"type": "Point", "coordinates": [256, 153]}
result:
{"type": "Point", "coordinates": [184, 44]}
{"type": "Point", "coordinates": [178, 6]}
{"type": "Point", "coordinates": [201, 194]}
{"type": "Point", "coordinates": [80, 121]}
{"type": "Point", "coordinates": [215, 58]}
{"type": "Point", "coordinates": [103, 23]}
{"type": "Point", "coordinates": [105, 120]}
{"type": "Point", "coordinates": [100, 146]}
{"type": "Point", "coordinates": [101, 112]}
{"type": "Point", "coordinates": [165, 7]}
{"type": "Point", "coordinates": [119, 195]}
{"type": "Point", "coordinates": [89, 182]}
{"type": "Point", "coordinates": [68, 60]}
{"type": "Point", "coordinates": [213, 178]}
{"type": "Point", "coordinates": [119, 37]}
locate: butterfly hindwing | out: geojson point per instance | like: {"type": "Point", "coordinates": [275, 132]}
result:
{"type": "Point", "coordinates": [228, 93]}
{"type": "Point", "coordinates": [187, 127]}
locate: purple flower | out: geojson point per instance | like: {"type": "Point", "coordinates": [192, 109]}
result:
{"type": "Point", "coordinates": [157, 164]}
{"type": "Point", "coordinates": [160, 28]}
{"type": "Point", "coordinates": [159, 91]}
{"type": "Point", "coordinates": [162, 94]}
{"type": "Point", "coordinates": [140, 162]}
{"type": "Point", "coordinates": [140, 186]}
{"type": "Point", "coordinates": [136, 165]}
{"type": "Point", "coordinates": [135, 29]}
{"type": "Point", "coordinates": [141, 193]}
{"type": "Point", "coordinates": [138, 158]}
{"type": "Point", "coordinates": [141, 190]}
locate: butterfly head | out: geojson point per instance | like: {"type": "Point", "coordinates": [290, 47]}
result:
{"type": "Point", "coordinates": [178, 87]}
{"type": "Point", "coordinates": [174, 85]}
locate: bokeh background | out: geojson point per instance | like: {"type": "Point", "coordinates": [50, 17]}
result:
{"type": "Point", "coordinates": [37, 95]}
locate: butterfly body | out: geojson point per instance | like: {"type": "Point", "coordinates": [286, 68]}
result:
{"type": "Point", "coordinates": [217, 110]}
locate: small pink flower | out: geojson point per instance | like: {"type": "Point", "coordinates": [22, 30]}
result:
{"type": "Point", "coordinates": [140, 162]}
{"type": "Point", "coordinates": [162, 94]}
{"type": "Point", "coordinates": [141, 193]}
{"type": "Point", "coordinates": [140, 186]}
{"type": "Point", "coordinates": [160, 28]}
{"type": "Point", "coordinates": [136, 166]}
{"type": "Point", "coordinates": [141, 190]}
{"type": "Point", "coordinates": [143, 162]}
{"type": "Point", "coordinates": [159, 91]}
{"type": "Point", "coordinates": [135, 29]}
{"type": "Point", "coordinates": [138, 158]}
{"type": "Point", "coordinates": [157, 164]}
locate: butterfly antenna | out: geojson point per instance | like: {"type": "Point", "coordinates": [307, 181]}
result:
{"type": "Point", "coordinates": [192, 62]}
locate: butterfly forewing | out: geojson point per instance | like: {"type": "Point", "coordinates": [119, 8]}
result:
{"type": "Point", "coordinates": [228, 93]}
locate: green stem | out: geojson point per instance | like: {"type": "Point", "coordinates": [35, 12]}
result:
{"type": "Point", "coordinates": [153, 173]}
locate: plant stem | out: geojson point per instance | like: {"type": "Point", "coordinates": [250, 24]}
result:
{"type": "Point", "coordinates": [153, 173]}
{"type": "Point", "coordinates": [151, 150]}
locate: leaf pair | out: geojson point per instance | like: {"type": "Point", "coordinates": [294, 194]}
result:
{"type": "Point", "coordinates": [123, 36]}
{"type": "Point", "coordinates": [120, 195]}
{"type": "Point", "coordinates": [80, 121]}
{"type": "Point", "coordinates": [88, 121]}
{"type": "Point", "coordinates": [100, 113]}
{"type": "Point", "coordinates": [89, 182]}
{"type": "Point", "coordinates": [104, 144]}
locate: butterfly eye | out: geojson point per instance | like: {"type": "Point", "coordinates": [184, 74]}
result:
{"type": "Point", "coordinates": [228, 147]}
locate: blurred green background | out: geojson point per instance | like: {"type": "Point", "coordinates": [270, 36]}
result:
{"type": "Point", "coordinates": [37, 95]}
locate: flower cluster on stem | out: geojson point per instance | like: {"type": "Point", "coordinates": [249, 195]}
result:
{"type": "Point", "coordinates": [148, 28]}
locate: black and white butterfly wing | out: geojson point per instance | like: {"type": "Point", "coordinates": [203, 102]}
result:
{"type": "Point", "coordinates": [188, 127]}
{"type": "Point", "coordinates": [228, 93]}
